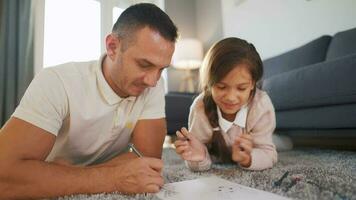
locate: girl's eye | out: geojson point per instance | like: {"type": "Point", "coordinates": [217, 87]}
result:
{"type": "Point", "coordinates": [242, 89]}
{"type": "Point", "coordinates": [220, 87]}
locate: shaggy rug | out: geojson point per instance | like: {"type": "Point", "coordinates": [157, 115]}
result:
{"type": "Point", "coordinates": [312, 174]}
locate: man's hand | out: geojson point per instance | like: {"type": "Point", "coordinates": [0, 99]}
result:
{"type": "Point", "coordinates": [189, 147]}
{"type": "Point", "coordinates": [241, 150]}
{"type": "Point", "coordinates": [139, 175]}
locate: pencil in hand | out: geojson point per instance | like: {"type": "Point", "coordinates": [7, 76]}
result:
{"type": "Point", "coordinates": [133, 149]}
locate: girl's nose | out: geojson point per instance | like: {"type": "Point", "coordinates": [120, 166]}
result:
{"type": "Point", "coordinates": [232, 96]}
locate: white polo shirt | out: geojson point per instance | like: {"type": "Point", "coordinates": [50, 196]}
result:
{"type": "Point", "coordinates": [74, 102]}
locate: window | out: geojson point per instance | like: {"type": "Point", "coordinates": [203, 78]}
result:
{"type": "Point", "coordinates": [76, 30]}
{"type": "Point", "coordinates": [71, 31]}
{"type": "Point", "coordinates": [116, 12]}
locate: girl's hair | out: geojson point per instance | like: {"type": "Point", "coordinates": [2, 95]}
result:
{"type": "Point", "coordinates": [221, 58]}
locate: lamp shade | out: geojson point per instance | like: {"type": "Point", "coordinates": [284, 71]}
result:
{"type": "Point", "coordinates": [188, 54]}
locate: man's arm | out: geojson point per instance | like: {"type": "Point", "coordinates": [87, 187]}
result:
{"type": "Point", "coordinates": [24, 174]}
{"type": "Point", "coordinates": [148, 136]}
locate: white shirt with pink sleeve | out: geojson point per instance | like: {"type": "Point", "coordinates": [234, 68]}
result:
{"type": "Point", "coordinates": [258, 118]}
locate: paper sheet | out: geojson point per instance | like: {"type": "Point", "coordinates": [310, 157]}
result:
{"type": "Point", "coordinates": [212, 188]}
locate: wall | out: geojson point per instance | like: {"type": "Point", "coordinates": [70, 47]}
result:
{"type": "Point", "coordinates": [276, 26]}
{"type": "Point", "coordinates": [209, 22]}
{"type": "Point", "coordinates": [200, 19]}
{"type": "Point", "coordinates": [182, 12]}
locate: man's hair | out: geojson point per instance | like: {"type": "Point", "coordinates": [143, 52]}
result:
{"type": "Point", "coordinates": [141, 15]}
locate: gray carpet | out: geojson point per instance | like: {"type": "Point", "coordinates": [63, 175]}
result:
{"type": "Point", "coordinates": [317, 174]}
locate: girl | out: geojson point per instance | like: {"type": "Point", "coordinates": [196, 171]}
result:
{"type": "Point", "coordinates": [231, 120]}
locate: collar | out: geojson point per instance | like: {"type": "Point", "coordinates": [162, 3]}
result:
{"type": "Point", "coordinates": [104, 88]}
{"type": "Point", "coordinates": [240, 119]}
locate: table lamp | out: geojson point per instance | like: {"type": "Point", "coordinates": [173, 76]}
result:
{"type": "Point", "coordinates": [187, 56]}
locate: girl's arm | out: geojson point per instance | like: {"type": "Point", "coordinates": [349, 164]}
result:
{"type": "Point", "coordinates": [200, 128]}
{"type": "Point", "coordinates": [261, 123]}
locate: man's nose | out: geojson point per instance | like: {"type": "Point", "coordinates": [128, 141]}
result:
{"type": "Point", "coordinates": [150, 79]}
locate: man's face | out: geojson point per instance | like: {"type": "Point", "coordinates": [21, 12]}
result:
{"type": "Point", "coordinates": [139, 65]}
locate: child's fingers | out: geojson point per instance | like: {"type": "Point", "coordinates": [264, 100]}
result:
{"type": "Point", "coordinates": [243, 157]}
{"type": "Point", "coordinates": [247, 137]}
{"type": "Point", "coordinates": [236, 144]}
{"type": "Point", "coordinates": [239, 155]}
{"type": "Point", "coordinates": [236, 152]}
{"type": "Point", "coordinates": [178, 143]}
{"type": "Point", "coordinates": [244, 143]}
{"type": "Point", "coordinates": [180, 135]}
{"type": "Point", "coordinates": [181, 149]}
{"type": "Point", "coordinates": [186, 133]}
{"type": "Point", "coordinates": [187, 155]}
{"type": "Point", "coordinates": [246, 147]}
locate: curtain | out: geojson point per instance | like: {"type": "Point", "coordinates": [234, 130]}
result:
{"type": "Point", "coordinates": [16, 54]}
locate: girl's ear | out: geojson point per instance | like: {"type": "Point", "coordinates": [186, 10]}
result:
{"type": "Point", "coordinates": [112, 46]}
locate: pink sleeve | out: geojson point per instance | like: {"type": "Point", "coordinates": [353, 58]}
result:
{"type": "Point", "coordinates": [199, 127]}
{"type": "Point", "coordinates": [261, 124]}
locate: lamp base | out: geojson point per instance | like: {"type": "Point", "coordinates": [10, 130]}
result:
{"type": "Point", "coordinates": [187, 84]}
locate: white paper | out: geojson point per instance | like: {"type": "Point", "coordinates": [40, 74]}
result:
{"type": "Point", "coordinates": [212, 188]}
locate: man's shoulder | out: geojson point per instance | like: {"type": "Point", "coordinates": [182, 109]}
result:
{"type": "Point", "coordinates": [71, 69]}
{"type": "Point", "coordinates": [73, 77]}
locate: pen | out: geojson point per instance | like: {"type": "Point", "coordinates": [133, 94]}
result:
{"type": "Point", "coordinates": [133, 149]}
{"type": "Point", "coordinates": [279, 182]}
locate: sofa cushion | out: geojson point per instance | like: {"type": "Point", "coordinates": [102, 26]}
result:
{"type": "Point", "coordinates": [343, 43]}
{"type": "Point", "coordinates": [326, 83]}
{"type": "Point", "coordinates": [310, 53]}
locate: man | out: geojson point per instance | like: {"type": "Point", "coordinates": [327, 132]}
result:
{"type": "Point", "coordinates": [70, 132]}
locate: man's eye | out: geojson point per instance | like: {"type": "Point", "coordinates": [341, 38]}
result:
{"type": "Point", "coordinates": [143, 65]}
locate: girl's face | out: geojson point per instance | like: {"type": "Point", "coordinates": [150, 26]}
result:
{"type": "Point", "coordinates": [233, 91]}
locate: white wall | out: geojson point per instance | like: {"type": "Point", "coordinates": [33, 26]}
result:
{"type": "Point", "coordinates": [276, 26]}
{"type": "Point", "coordinates": [182, 12]}
{"type": "Point", "coordinates": [209, 22]}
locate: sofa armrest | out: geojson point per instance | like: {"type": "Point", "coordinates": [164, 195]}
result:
{"type": "Point", "coordinates": [327, 83]}
{"type": "Point", "coordinates": [177, 110]}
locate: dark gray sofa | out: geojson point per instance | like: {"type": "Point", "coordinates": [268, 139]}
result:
{"type": "Point", "coordinates": [313, 89]}
{"type": "Point", "coordinates": [177, 110]}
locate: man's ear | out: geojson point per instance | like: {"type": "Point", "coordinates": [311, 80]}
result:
{"type": "Point", "coordinates": [112, 46]}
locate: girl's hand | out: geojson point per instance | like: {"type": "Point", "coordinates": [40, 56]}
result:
{"type": "Point", "coordinates": [241, 150]}
{"type": "Point", "coordinates": [189, 147]}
